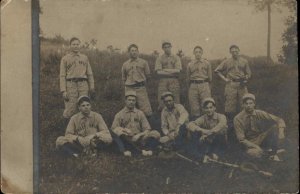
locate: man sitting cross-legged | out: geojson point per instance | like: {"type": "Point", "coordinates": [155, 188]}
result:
{"type": "Point", "coordinates": [258, 131]}
{"type": "Point", "coordinates": [86, 131]}
{"type": "Point", "coordinates": [173, 122]}
{"type": "Point", "coordinates": [208, 132]}
{"type": "Point", "coordinates": [131, 129]}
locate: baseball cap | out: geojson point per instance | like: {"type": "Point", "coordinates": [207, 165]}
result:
{"type": "Point", "coordinates": [130, 93]}
{"type": "Point", "coordinates": [83, 99]}
{"type": "Point", "coordinates": [248, 96]}
{"type": "Point", "coordinates": [165, 94]}
{"type": "Point", "coordinates": [164, 42]}
{"type": "Point", "coordinates": [206, 100]}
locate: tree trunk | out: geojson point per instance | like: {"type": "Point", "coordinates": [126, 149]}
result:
{"type": "Point", "coordinates": [269, 35]}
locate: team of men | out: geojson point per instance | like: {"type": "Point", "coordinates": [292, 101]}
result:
{"type": "Point", "coordinates": [208, 132]}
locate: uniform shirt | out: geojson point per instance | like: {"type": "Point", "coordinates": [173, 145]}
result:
{"type": "Point", "coordinates": [135, 120]}
{"type": "Point", "coordinates": [199, 70]}
{"type": "Point", "coordinates": [84, 126]}
{"type": "Point", "coordinates": [135, 70]}
{"type": "Point", "coordinates": [171, 118]}
{"type": "Point", "coordinates": [217, 122]}
{"type": "Point", "coordinates": [168, 62]}
{"type": "Point", "coordinates": [234, 68]}
{"type": "Point", "coordinates": [75, 66]}
{"type": "Point", "coordinates": [249, 126]}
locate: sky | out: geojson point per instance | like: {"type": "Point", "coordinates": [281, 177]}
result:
{"type": "Point", "coordinates": [212, 24]}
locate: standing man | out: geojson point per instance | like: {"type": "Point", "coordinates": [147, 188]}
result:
{"type": "Point", "coordinates": [168, 67]}
{"type": "Point", "coordinates": [174, 118]}
{"type": "Point", "coordinates": [131, 129]}
{"type": "Point", "coordinates": [208, 132]}
{"type": "Point", "coordinates": [86, 131]}
{"type": "Point", "coordinates": [76, 77]}
{"type": "Point", "coordinates": [199, 75]}
{"type": "Point", "coordinates": [135, 72]}
{"type": "Point", "coordinates": [258, 131]}
{"type": "Point", "coordinates": [235, 72]}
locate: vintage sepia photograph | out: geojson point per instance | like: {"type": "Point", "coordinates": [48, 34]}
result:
{"type": "Point", "coordinates": [167, 96]}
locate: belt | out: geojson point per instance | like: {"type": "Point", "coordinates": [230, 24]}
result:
{"type": "Point", "coordinates": [198, 81]}
{"type": "Point", "coordinates": [77, 79]}
{"type": "Point", "coordinates": [238, 80]}
{"type": "Point", "coordinates": [138, 84]}
{"type": "Point", "coordinates": [167, 76]}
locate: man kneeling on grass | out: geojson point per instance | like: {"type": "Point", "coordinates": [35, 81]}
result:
{"type": "Point", "coordinates": [208, 132]}
{"type": "Point", "coordinates": [86, 131]}
{"type": "Point", "coordinates": [174, 118]}
{"type": "Point", "coordinates": [259, 131]}
{"type": "Point", "coordinates": [131, 129]}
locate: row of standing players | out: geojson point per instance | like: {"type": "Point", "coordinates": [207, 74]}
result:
{"type": "Point", "coordinates": [131, 130]}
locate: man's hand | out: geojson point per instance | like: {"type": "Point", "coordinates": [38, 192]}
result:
{"type": "Point", "coordinates": [92, 93]}
{"type": "Point", "coordinates": [227, 80]}
{"type": "Point", "coordinates": [84, 141]}
{"type": "Point", "coordinates": [136, 137]}
{"type": "Point", "coordinates": [165, 131]}
{"type": "Point", "coordinates": [281, 134]}
{"type": "Point", "coordinates": [65, 96]}
{"type": "Point", "coordinates": [172, 135]}
{"type": "Point", "coordinates": [127, 132]}
{"type": "Point", "coordinates": [203, 138]}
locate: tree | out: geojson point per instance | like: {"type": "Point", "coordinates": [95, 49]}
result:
{"type": "Point", "coordinates": [289, 52]}
{"type": "Point", "coordinates": [266, 5]}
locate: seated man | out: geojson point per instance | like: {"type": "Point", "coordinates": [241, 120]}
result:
{"type": "Point", "coordinates": [209, 131]}
{"type": "Point", "coordinates": [173, 122]}
{"type": "Point", "coordinates": [86, 131]}
{"type": "Point", "coordinates": [131, 129]}
{"type": "Point", "coordinates": [257, 130]}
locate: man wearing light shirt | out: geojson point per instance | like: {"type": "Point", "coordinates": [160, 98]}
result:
{"type": "Point", "coordinates": [173, 121]}
{"type": "Point", "coordinates": [168, 67]}
{"type": "Point", "coordinates": [258, 131]}
{"type": "Point", "coordinates": [76, 78]}
{"type": "Point", "coordinates": [135, 73]}
{"type": "Point", "coordinates": [132, 131]}
{"type": "Point", "coordinates": [86, 131]}
{"type": "Point", "coordinates": [208, 132]}
{"type": "Point", "coordinates": [199, 75]}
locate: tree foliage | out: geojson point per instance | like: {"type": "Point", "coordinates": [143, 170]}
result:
{"type": "Point", "coordinates": [289, 52]}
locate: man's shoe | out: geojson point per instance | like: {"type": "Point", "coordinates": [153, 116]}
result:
{"type": "Point", "coordinates": [206, 159]}
{"type": "Point", "coordinates": [215, 156]}
{"type": "Point", "coordinates": [127, 153]}
{"type": "Point", "coordinates": [275, 158]}
{"type": "Point", "coordinates": [147, 153]}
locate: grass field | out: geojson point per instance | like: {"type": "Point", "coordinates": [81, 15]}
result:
{"type": "Point", "coordinates": [276, 88]}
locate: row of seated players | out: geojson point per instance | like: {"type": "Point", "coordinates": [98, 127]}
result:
{"type": "Point", "coordinates": [258, 131]}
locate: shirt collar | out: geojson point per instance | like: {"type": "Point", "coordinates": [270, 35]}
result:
{"type": "Point", "coordinates": [215, 116]}
{"type": "Point", "coordinates": [75, 54]}
{"type": "Point", "coordinates": [127, 110]}
{"type": "Point", "coordinates": [252, 114]}
{"type": "Point", "coordinates": [82, 115]}
{"type": "Point", "coordinates": [196, 60]}
{"type": "Point", "coordinates": [131, 60]}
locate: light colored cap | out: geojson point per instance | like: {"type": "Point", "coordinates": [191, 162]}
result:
{"type": "Point", "coordinates": [206, 100]}
{"type": "Point", "coordinates": [130, 93]}
{"type": "Point", "coordinates": [248, 96]}
{"type": "Point", "coordinates": [83, 98]}
{"type": "Point", "coordinates": [165, 42]}
{"type": "Point", "coordinates": [165, 94]}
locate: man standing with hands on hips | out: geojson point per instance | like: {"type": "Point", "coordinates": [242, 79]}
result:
{"type": "Point", "coordinates": [235, 72]}
{"type": "Point", "coordinates": [76, 78]}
